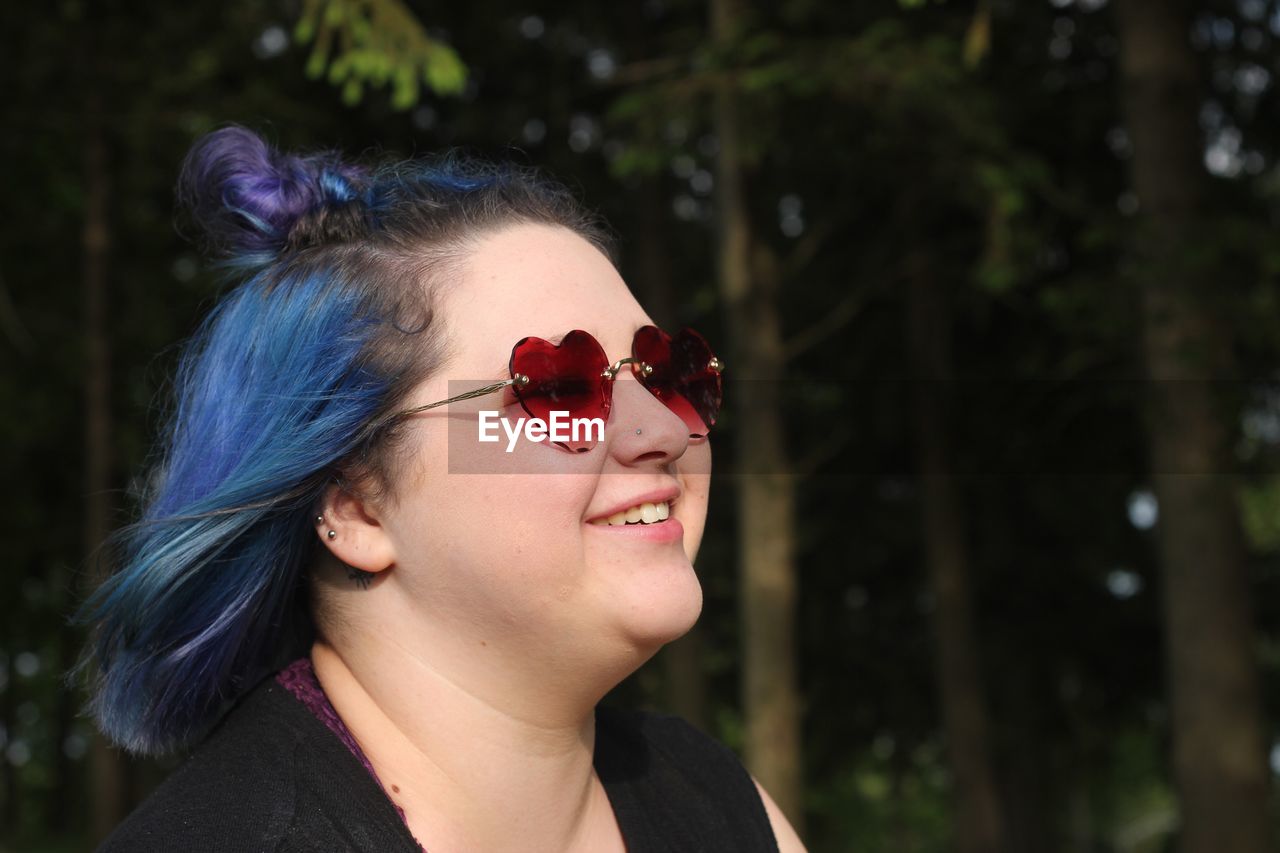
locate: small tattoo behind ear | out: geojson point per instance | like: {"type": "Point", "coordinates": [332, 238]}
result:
{"type": "Point", "coordinates": [360, 576]}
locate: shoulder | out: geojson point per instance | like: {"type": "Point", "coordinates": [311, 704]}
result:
{"type": "Point", "coordinates": [252, 785]}
{"type": "Point", "coordinates": [226, 791]}
{"type": "Point", "coordinates": [665, 766]}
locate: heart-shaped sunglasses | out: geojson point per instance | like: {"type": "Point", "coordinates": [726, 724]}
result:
{"type": "Point", "coordinates": [575, 376]}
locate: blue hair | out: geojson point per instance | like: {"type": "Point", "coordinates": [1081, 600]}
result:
{"type": "Point", "coordinates": [284, 389]}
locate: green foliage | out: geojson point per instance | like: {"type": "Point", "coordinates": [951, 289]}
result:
{"type": "Point", "coordinates": [374, 43]}
{"type": "Point", "coordinates": [1260, 506]}
{"type": "Point", "coordinates": [886, 801]}
{"type": "Point", "coordinates": [1140, 811]}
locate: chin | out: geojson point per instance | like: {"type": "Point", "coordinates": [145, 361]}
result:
{"type": "Point", "coordinates": [665, 613]}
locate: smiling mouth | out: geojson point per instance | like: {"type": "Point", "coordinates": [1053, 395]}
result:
{"type": "Point", "coordinates": [644, 513]}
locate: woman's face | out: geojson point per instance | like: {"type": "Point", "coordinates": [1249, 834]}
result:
{"type": "Point", "coordinates": [498, 548]}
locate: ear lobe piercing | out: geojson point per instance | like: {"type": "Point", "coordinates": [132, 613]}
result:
{"type": "Point", "coordinates": [332, 534]}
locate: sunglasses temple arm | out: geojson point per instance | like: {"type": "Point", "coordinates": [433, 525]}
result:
{"type": "Point", "coordinates": [479, 392]}
{"type": "Point", "coordinates": [378, 424]}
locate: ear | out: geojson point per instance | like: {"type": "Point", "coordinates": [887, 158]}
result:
{"type": "Point", "coordinates": [358, 539]}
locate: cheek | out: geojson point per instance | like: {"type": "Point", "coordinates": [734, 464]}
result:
{"type": "Point", "coordinates": [494, 545]}
{"type": "Point", "coordinates": [695, 476]}
{"type": "Point", "coordinates": [507, 518]}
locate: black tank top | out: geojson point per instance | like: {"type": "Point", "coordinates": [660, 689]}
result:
{"type": "Point", "coordinates": [273, 777]}
{"type": "Point", "coordinates": [673, 788]}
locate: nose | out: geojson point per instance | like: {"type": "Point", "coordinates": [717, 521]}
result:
{"type": "Point", "coordinates": [644, 428]}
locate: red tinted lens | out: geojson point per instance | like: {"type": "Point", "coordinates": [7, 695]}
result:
{"type": "Point", "coordinates": [567, 377]}
{"type": "Point", "coordinates": [682, 376]}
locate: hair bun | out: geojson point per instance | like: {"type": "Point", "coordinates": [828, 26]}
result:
{"type": "Point", "coordinates": [246, 197]}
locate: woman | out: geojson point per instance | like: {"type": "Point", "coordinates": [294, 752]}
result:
{"type": "Point", "coordinates": [383, 632]}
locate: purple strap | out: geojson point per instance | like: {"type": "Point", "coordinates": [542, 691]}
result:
{"type": "Point", "coordinates": [299, 678]}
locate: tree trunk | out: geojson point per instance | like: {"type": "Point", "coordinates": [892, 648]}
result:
{"type": "Point", "coordinates": [62, 809]}
{"type": "Point", "coordinates": [766, 489]}
{"type": "Point", "coordinates": [1020, 746]}
{"type": "Point", "coordinates": [652, 256]}
{"type": "Point", "coordinates": [1218, 744]}
{"type": "Point", "coordinates": [978, 814]}
{"type": "Point", "coordinates": [8, 703]}
{"type": "Point", "coordinates": [902, 835]}
{"type": "Point", "coordinates": [106, 763]}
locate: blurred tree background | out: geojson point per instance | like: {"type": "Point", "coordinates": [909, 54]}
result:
{"type": "Point", "coordinates": [994, 556]}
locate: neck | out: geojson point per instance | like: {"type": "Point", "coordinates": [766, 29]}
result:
{"type": "Point", "coordinates": [474, 763]}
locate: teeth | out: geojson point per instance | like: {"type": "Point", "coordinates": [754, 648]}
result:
{"type": "Point", "coordinates": [645, 513]}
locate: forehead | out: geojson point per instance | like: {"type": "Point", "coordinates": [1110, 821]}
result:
{"type": "Point", "coordinates": [536, 280]}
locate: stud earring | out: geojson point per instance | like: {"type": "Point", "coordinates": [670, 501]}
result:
{"type": "Point", "coordinates": [333, 534]}
{"type": "Point", "coordinates": [319, 519]}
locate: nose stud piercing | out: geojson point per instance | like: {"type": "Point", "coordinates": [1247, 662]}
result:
{"type": "Point", "coordinates": [637, 430]}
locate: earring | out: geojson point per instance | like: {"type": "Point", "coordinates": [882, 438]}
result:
{"type": "Point", "coordinates": [319, 519]}
{"type": "Point", "coordinates": [333, 534]}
